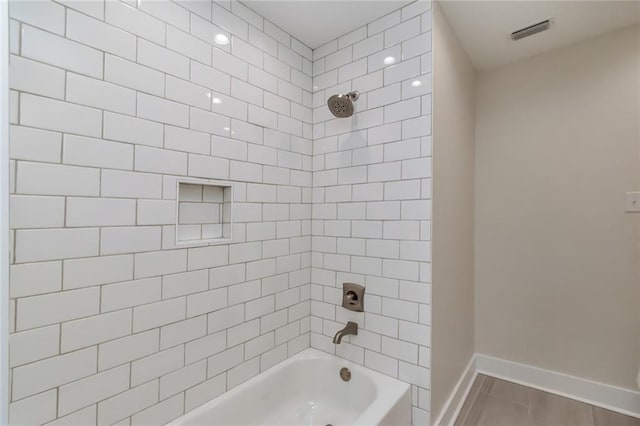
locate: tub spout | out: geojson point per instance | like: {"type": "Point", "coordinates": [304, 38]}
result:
{"type": "Point", "coordinates": [350, 328]}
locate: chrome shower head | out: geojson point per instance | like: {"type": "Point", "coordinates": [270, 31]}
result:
{"type": "Point", "coordinates": [342, 105]}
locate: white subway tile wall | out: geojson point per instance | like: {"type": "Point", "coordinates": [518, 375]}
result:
{"type": "Point", "coordinates": [371, 213]}
{"type": "Point", "coordinates": [113, 102]}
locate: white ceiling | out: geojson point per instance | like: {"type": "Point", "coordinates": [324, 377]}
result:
{"type": "Point", "coordinates": [483, 27]}
{"type": "Point", "coordinates": [315, 22]}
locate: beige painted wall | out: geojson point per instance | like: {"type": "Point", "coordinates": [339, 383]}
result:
{"type": "Point", "coordinates": [557, 259]}
{"type": "Point", "coordinates": [453, 139]}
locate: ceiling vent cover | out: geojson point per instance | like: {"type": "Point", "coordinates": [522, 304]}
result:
{"type": "Point", "coordinates": [531, 30]}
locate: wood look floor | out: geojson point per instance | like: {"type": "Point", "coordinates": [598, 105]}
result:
{"type": "Point", "coordinates": [495, 402]}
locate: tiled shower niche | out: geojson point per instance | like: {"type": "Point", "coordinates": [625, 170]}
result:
{"type": "Point", "coordinates": [203, 212]}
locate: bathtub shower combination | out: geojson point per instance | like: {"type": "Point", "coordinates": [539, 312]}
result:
{"type": "Point", "coordinates": [213, 222]}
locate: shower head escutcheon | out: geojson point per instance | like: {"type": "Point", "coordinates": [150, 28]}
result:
{"type": "Point", "coordinates": [342, 105]}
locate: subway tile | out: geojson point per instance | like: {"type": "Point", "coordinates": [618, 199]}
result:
{"type": "Point", "coordinates": [83, 151]}
{"type": "Point", "coordinates": [35, 77]}
{"type": "Point", "coordinates": [205, 347]}
{"type": "Point", "coordinates": [208, 167]}
{"type": "Point", "coordinates": [52, 372]}
{"type": "Point", "coordinates": [277, 67]}
{"type": "Point", "coordinates": [46, 15]}
{"type": "Point", "coordinates": [229, 21]}
{"type": "Point", "coordinates": [162, 110]}
{"type": "Point", "coordinates": [79, 273]}
{"type": "Point", "coordinates": [200, 8]}
{"type": "Point", "coordinates": [31, 279]}
{"type": "Point", "coordinates": [100, 212]}
{"type": "Point", "coordinates": [156, 365]}
{"type": "Point", "coordinates": [205, 391]}
{"type": "Point", "coordinates": [277, 33]}
{"type": "Point", "coordinates": [402, 71]}
{"type": "Point", "coordinates": [289, 56]}
{"type": "Point", "coordinates": [225, 318]}
{"type": "Point", "coordinates": [368, 46]}
{"type": "Point", "coordinates": [100, 35]}
{"type": "Point", "coordinates": [37, 311]}
{"type": "Point", "coordinates": [416, 46]}
{"type": "Point", "coordinates": [131, 184]}
{"type": "Point", "coordinates": [134, 76]}
{"type": "Point", "coordinates": [176, 285]}
{"type": "Point", "coordinates": [33, 345]}
{"type": "Point", "coordinates": [130, 239]}
{"type": "Point", "coordinates": [127, 403]}
{"type": "Point", "coordinates": [168, 12]}
{"type": "Point", "coordinates": [134, 21]}
{"type": "Point", "coordinates": [27, 143]}
{"type": "Point", "coordinates": [50, 179]}
{"type": "Point", "coordinates": [183, 331]}
{"type": "Point", "coordinates": [93, 330]}
{"type": "Point", "coordinates": [402, 110]}
{"type": "Point", "coordinates": [207, 31]}
{"type": "Point", "coordinates": [382, 363]}
{"type": "Point", "coordinates": [416, 8]}
{"type": "Point", "coordinates": [229, 64]}
{"type": "Point", "coordinates": [402, 32]}
{"type": "Point", "coordinates": [187, 140]}
{"type": "Point", "coordinates": [130, 293]}
{"type": "Point", "coordinates": [243, 372]}
{"type": "Point", "coordinates": [211, 78]}
{"type": "Point", "coordinates": [133, 130]}
{"type": "Point", "coordinates": [38, 409]}
{"type": "Point", "coordinates": [156, 212]}
{"type": "Point", "coordinates": [209, 301]}
{"type": "Point", "coordinates": [159, 313]}
{"type": "Point", "coordinates": [60, 52]}
{"type": "Point", "coordinates": [161, 413]}
{"type": "Point", "coordinates": [50, 114]}
{"type": "Point", "coordinates": [263, 42]}
{"type": "Point", "coordinates": [162, 59]}
{"type": "Point", "coordinates": [127, 349]}
{"type": "Point", "coordinates": [325, 49]}
{"type": "Point", "coordinates": [187, 93]}
{"type": "Point", "coordinates": [413, 374]}
{"type": "Point", "coordinates": [155, 160]}
{"type": "Point", "coordinates": [26, 212]}
{"type": "Point", "coordinates": [183, 379]}
{"type": "Point", "coordinates": [80, 417]}
{"type": "Point", "coordinates": [209, 122]}
{"type": "Point", "coordinates": [52, 244]}
{"type": "Point", "coordinates": [188, 45]}
{"type": "Point", "coordinates": [246, 52]}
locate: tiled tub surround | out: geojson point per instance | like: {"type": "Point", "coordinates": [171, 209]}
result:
{"type": "Point", "coordinates": [112, 103]}
{"type": "Point", "coordinates": [372, 197]}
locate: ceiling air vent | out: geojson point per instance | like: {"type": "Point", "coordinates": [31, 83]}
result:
{"type": "Point", "coordinates": [531, 30]}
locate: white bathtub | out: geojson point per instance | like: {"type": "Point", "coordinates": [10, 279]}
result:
{"type": "Point", "coordinates": [307, 390]}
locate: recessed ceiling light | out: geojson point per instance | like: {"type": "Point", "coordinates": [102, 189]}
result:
{"type": "Point", "coordinates": [389, 60]}
{"type": "Point", "coordinates": [217, 100]}
{"type": "Point", "coordinates": [416, 83]}
{"type": "Point", "coordinates": [221, 39]}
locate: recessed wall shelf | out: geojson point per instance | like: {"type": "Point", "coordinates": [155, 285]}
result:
{"type": "Point", "coordinates": [204, 212]}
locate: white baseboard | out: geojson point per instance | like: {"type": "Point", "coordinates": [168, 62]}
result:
{"type": "Point", "coordinates": [625, 401]}
{"type": "Point", "coordinates": [453, 404]}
